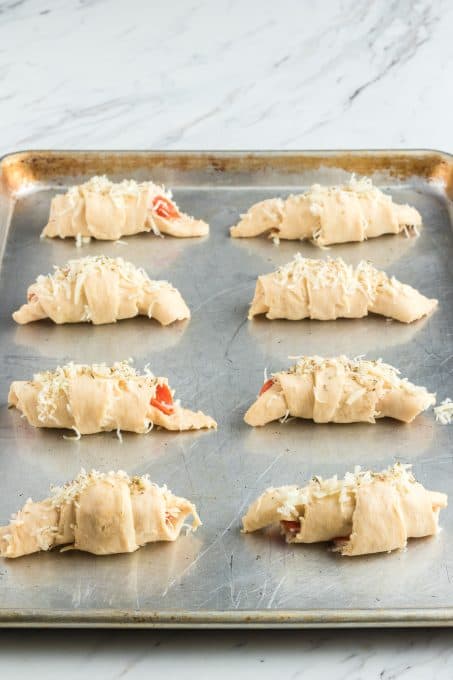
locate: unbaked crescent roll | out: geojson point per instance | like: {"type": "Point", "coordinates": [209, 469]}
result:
{"type": "Point", "coordinates": [105, 210]}
{"type": "Point", "coordinates": [101, 290]}
{"type": "Point", "coordinates": [338, 390]}
{"type": "Point", "coordinates": [364, 513]}
{"type": "Point", "coordinates": [100, 513]}
{"type": "Point", "coordinates": [331, 289]}
{"type": "Point", "coordinates": [100, 398]}
{"type": "Point", "coordinates": [328, 215]}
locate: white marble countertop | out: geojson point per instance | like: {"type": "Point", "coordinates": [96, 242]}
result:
{"type": "Point", "coordinates": [225, 74]}
{"type": "Point", "coordinates": [201, 655]}
{"type": "Point", "coordinates": [256, 74]}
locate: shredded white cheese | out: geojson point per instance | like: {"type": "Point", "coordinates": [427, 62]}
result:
{"type": "Point", "coordinates": [369, 376]}
{"type": "Point", "coordinates": [444, 412]}
{"type": "Point", "coordinates": [295, 498]}
{"type": "Point", "coordinates": [331, 272]}
{"type": "Point", "coordinates": [77, 435]}
{"type": "Point", "coordinates": [358, 368]}
{"type": "Point", "coordinates": [285, 418]}
{"type": "Point", "coordinates": [71, 490]}
{"type": "Point", "coordinates": [56, 383]}
{"type": "Point", "coordinates": [100, 184]}
{"type": "Point", "coordinates": [317, 196]}
{"type": "Point", "coordinates": [81, 240]}
{"type": "Point", "coordinates": [70, 280]}
{"type": "Point", "coordinates": [118, 192]}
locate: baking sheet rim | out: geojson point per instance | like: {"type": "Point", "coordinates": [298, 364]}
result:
{"type": "Point", "coordinates": [323, 618]}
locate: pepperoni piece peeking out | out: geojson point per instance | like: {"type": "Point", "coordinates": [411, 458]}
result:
{"type": "Point", "coordinates": [163, 207]}
{"type": "Point", "coordinates": [267, 386]}
{"type": "Point", "coordinates": [170, 519]}
{"type": "Point", "coordinates": [163, 400]}
{"type": "Point", "coordinates": [291, 527]}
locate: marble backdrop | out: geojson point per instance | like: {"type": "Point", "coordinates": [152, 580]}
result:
{"type": "Point", "coordinates": [256, 74]}
{"type": "Point", "coordinates": [225, 74]}
{"type": "Point", "coordinates": [218, 655]}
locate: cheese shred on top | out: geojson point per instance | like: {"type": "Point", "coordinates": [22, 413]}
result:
{"type": "Point", "coordinates": [74, 273]}
{"type": "Point", "coordinates": [71, 490]}
{"type": "Point", "coordinates": [399, 474]}
{"type": "Point", "coordinates": [357, 367]}
{"type": "Point", "coordinates": [444, 412]}
{"type": "Point", "coordinates": [149, 194]}
{"type": "Point", "coordinates": [118, 191]}
{"type": "Point", "coordinates": [368, 374]}
{"type": "Point", "coordinates": [317, 196]}
{"type": "Point", "coordinates": [56, 383]}
{"type": "Point", "coordinates": [333, 272]}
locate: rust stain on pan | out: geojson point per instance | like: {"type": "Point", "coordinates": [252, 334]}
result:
{"type": "Point", "coordinates": [41, 166]}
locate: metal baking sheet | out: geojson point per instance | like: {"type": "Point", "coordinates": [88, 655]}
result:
{"type": "Point", "coordinates": [217, 576]}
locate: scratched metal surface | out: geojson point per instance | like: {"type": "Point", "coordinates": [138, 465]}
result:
{"type": "Point", "coordinates": [216, 363]}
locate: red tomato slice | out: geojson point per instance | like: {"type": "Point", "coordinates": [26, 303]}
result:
{"type": "Point", "coordinates": [165, 208]}
{"type": "Point", "coordinates": [163, 400]}
{"type": "Point", "coordinates": [267, 386]}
